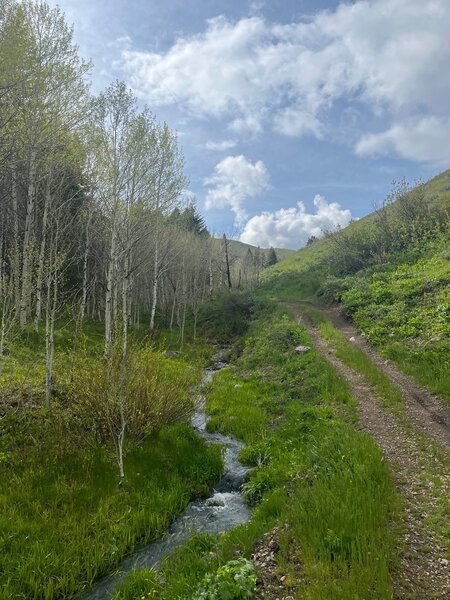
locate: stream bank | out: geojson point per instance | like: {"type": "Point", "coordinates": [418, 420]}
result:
{"type": "Point", "coordinates": [221, 511]}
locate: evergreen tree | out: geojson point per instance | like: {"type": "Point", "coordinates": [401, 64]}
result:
{"type": "Point", "coordinates": [272, 258]}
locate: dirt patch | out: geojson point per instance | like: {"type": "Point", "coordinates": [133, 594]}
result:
{"type": "Point", "coordinates": [420, 473]}
{"type": "Point", "coordinates": [273, 580]}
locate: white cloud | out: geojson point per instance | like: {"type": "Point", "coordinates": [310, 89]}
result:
{"type": "Point", "coordinates": [249, 124]}
{"type": "Point", "coordinates": [291, 227]}
{"type": "Point", "coordinates": [293, 122]}
{"type": "Point", "coordinates": [426, 139]}
{"type": "Point", "coordinates": [219, 146]}
{"type": "Point", "coordinates": [391, 55]}
{"type": "Point", "coordinates": [235, 179]}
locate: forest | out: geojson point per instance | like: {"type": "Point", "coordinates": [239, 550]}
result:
{"type": "Point", "coordinates": [153, 373]}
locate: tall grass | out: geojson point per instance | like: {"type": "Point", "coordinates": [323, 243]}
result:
{"type": "Point", "coordinates": [64, 521]}
{"type": "Point", "coordinates": [313, 472]}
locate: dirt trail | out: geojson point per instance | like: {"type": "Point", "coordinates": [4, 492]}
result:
{"type": "Point", "coordinates": [421, 474]}
{"type": "Point", "coordinates": [425, 411]}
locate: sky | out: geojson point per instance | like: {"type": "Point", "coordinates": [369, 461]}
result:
{"type": "Point", "coordinates": [294, 116]}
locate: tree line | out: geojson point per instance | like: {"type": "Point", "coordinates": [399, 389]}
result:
{"type": "Point", "coordinates": [92, 215]}
{"type": "Point", "coordinates": [94, 221]}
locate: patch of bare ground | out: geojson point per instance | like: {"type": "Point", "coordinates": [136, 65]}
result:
{"type": "Point", "coordinates": [419, 466]}
{"type": "Point", "coordinates": [273, 581]}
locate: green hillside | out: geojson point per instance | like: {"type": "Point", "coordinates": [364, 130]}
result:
{"type": "Point", "coordinates": [239, 249]}
{"type": "Point", "coordinates": [391, 272]}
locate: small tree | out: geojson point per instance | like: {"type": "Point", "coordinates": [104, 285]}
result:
{"type": "Point", "coordinates": [272, 258]}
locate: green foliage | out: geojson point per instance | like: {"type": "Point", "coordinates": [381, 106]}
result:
{"type": "Point", "coordinates": [327, 482]}
{"type": "Point", "coordinates": [405, 310]}
{"type": "Point", "coordinates": [271, 259]}
{"type": "Point", "coordinates": [332, 485]}
{"type": "Point", "coordinates": [64, 522]}
{"type": "Point", "coordinates": [140, 584]}
{"type": "Point", "coordinates": [391, 272]}
{"type": "Point", "coordinates": [226, 316]}
{"type": "Point", "coordinates": [152, 390]}
{"type": "Point", "coordinates": [235, 580]}
{"type": "Point", "coordinates": [190, 220]}
{"type": "Point", "coordinates": [409, 219]}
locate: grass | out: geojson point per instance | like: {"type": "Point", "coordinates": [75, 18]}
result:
{"type": "Point", "coordinates": [431, 500]}
{"type": "Point", "coordinates": [64, 521]}
{"type": "Point", "coordinates": [405, 311]}
{"type": "Point", "coordinates": [313, 472]}
{"type": "Point", "coordinates": [400, 300]}
{"type": "Point", "coordinates": [356, 359]}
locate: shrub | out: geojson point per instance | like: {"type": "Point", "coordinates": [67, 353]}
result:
{"type": "Point", "coordinates": [227, 315]}
{"type": "Point", "coordinates": [235, 580]}
{"type": "Point", "coordinates": [125, 403]}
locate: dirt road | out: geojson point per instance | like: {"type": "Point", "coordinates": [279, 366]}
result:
{"type": "Point", "coordinates": [417, 447]}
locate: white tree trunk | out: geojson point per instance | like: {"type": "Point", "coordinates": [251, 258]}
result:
{"type": "Point", "coordinates": [84, 292]}
{"type": "Point", "coordinates": [16, 251]}
{"type": "Point", "coordinates": [52, 300]}
{"type": "Point", "coordinates": [154, 286]}
{"type": "Point", "coordinates": [109, 294]}
{"type": "Point", "coordinates": [27, 238]}
{"type": "Point", "coordinates": [40, 272]}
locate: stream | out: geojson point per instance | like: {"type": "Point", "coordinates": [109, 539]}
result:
{"type": "Point", "coordinates": [223, 510]}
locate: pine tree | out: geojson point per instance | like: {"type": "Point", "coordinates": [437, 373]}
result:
{"type": "Point", "coordinates": [272, 258]}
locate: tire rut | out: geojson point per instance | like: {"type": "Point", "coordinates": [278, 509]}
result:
{"type": "Point", "coordinates": [426, 412]}
{"type": "Point", "coordinates": [420, 474]}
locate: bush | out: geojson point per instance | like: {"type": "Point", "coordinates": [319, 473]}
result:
{"type": "Point", "coordinates": [227, 315]}
{"type": "Point", "coordinates": [235, 580]}
{"type": "Point", "coordinates": [124, 403]}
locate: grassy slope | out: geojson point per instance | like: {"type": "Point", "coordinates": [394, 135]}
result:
{"type": "Point", "coordinates": [403, 307]}
{"type": "Point", "coordinates": [313, 472]}
{"type": "Point", "coordinates": [239, 250]}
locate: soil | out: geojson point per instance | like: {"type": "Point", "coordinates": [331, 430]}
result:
{"type": "Point", "coordinates": [419, 467]}
{"type": "Point", "coordinates": [272, 582]}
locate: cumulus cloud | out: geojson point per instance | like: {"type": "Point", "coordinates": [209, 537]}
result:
{"type": "Point", "coordinates": [220, 146]}
{"type": "Point", "coordinates": [294, 122]}
{"type": "Point", "coordinates": [291, 227]}
{"type": "Point", "coordinates": [235, 179]}
{"type": "Point", "coordinates": [391, 55]}
{"type": "Point", "coordinates": [426, 139]}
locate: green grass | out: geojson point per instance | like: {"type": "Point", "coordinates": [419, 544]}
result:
{"type": "Point", "coordinates": [64, 521]}
{"type": "Point", "coordinates": [356, 359]}
{"type": "Point", "coordinates": [312, 472]}
{"type": "Point", "coordinates": [405, 311]}
{"type": "Point", "coordinates": [400, 299]}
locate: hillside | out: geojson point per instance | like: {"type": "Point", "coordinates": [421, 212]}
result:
{"type": "Point", "coordinates": [239, 249]}
{"type": "Point", "coordinates": [391, 274]}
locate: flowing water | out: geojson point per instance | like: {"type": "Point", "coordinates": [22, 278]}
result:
{"type": "Point", "coordinates": [221, 511]}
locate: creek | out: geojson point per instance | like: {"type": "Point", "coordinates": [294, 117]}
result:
{"type": "Point", "coordinates": [221, 511]}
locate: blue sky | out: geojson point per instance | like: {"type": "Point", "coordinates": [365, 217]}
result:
{"type": "Point", "coordinates": [294, 116]}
